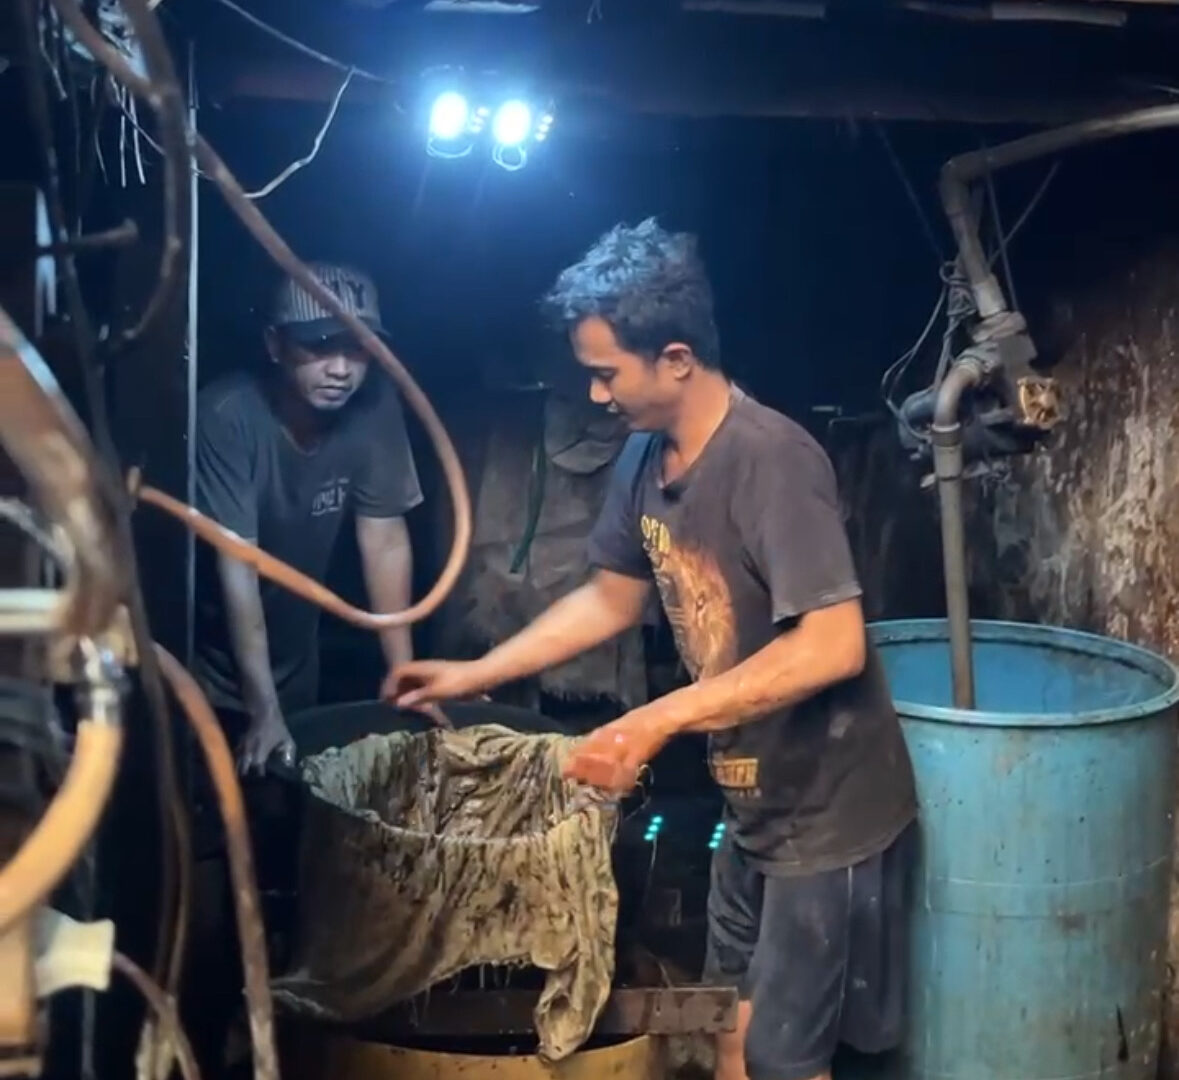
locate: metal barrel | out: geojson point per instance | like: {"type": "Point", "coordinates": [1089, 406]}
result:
{"type": "Point", "coordinates": [1040, 906]}
{"type": "Point", "coordinates": [318, 1053]}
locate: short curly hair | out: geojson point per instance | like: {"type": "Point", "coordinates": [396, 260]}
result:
{"type": "Point", "coordinates": [648, 284]}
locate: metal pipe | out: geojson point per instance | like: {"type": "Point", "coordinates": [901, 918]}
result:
{"type": "Point", "coordinates": [959, 172]}
{"type": "Point", "coordinates": [49, 445]}
{"type": "Point", "coordinates": [120, 236]}
{"type": "Point", "coordinates": [31, 612]}
{"type": "Point", "coordinates": [947, 461]}
{"type": "Point", "coordinates": [956, 176]}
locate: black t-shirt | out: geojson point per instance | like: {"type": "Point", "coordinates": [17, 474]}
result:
{"type": "Point", "coordinates": [252, 478]}
{"type": "Point", "coordinates": [741, 546]}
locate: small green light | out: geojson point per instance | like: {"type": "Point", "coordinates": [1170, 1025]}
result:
{"type": "Point", "coordinates": [657, 819]}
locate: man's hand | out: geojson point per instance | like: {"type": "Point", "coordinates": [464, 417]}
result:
{"type": "Point", "coordinates": [612, 757]}
{"type": "Point", "coordinates": [263, 738]}
{"type": "Point", "coordinates": [423, 684]}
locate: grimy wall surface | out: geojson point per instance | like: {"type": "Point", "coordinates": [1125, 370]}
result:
{"type": "Point", "coordinates": [1085, 533]}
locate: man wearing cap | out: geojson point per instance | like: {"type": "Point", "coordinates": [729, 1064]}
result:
{"type": "Point", "coordinates": [280, 456]}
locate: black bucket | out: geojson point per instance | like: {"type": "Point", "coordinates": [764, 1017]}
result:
{"type": "Point", "coordinates": [318, 729]}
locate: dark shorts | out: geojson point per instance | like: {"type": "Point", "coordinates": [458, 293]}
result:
{"type": "Point", "coordinates": [821, 957]}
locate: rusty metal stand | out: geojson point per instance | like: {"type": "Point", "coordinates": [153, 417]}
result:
{"type": "Point", "coordinates": [675, 1010]}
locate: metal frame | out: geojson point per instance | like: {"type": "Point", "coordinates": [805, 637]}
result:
{"type": "Point", "coordinates": [675, 1010]}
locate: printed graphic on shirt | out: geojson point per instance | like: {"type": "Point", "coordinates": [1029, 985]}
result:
{"type": "Point", "coordinates": [330, 498]}
{"type": "Point", "coordinates": [699, 607]}
{"type": "Point", "coordinates": [739, 774]}
{"type": "Point", "coordinates": [696, 598]}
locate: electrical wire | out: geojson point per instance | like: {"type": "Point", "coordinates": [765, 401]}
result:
{"type": "Point", "coordinates": [168, 104]}
{"type": "Point", "coordinates": [957, 300]}
{"type": "Point", "coordinates": [1034, 202]}
{"type": "Point", "coordinates": [926, 225]}
{"type": "Point", "coordinates": [299, 46]}
{"type": "Point", "coordinates": [997, 220]}
{"type": "Point", "coordinates": [162, 1005]}
{"type": "Point", "coordinates": [295, 166]}
{"type": "Point", "coordinates": [282, 177]}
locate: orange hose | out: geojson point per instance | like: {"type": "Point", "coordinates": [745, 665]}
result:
{"type": "Point", "coordinates": [57, 840]}
{"type": "Point", "coordinates": [280, 251]}
{"type": "Point", "coordinates": [267, 566]}
{"type": "Point", "coordinates": [250, 929]}
{"type": "Point", "coordinates": [277, 248]}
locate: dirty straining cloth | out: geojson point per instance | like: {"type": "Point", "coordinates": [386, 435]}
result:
{"type": "Point", "coordinates": [425, 854]}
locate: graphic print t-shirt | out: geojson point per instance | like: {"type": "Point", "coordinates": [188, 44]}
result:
{"type": "Point", "coordinates": [253, 478]}
{"type": "Point", "coordinates": [744, 544]}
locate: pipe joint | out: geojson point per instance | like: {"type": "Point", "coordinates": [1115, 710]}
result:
{"type": "Point", "coordinates": [948, 460]}
{"type": "Point", "coordinates": [101, 683]}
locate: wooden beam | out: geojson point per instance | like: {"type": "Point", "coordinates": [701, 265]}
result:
{"type": "Point", "coordinates": [812, 95]}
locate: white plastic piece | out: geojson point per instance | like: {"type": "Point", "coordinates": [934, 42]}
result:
{"type": "Point", "coordinates": [71, 953]}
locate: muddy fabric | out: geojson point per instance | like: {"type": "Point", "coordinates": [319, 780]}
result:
{"type": "Point", "coordinates": [423, 855]}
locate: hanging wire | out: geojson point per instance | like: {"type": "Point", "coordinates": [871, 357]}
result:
{"type": "Point", "coordinates": [997, 223]}
{"type": "Point", "coordinates": [301, 47]}
{"type": "Point", "coordinates": [957, 301]}
{"type": "Point", "coordinates": [282, 177]}
{"type": "Point", "coordinates": [926, 224]}
{"type": "Point", "coordinates": [295, 166]}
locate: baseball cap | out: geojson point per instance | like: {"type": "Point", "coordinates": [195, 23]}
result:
{"type": "Point", "coordinates": [297, 313]}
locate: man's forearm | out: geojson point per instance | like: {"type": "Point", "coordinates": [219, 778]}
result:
{"type": "Point", "coordinates": [388, 571]}
{"type": "Point", "coordinates": [247, 631]}
{"type": "Point", "coordinates": [596, 612]}
{"type": "Point", "coordinates": [826, 648]}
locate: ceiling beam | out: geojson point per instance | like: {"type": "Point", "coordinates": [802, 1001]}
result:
{"type": "Point", "coordinates": [1013, 96]}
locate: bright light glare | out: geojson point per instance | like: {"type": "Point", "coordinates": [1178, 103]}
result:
{"type": "Point", "coordinates": [449, 115]}
{"type": "Point", "coordinates": [512, 124]}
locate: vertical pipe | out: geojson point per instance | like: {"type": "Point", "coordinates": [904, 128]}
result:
{"type": "Point", "coordinates": [947, 456]}
{"type": "Point", "coordinates": [948, 462]}
{"type": "Point", "coordinates": [191, 372]}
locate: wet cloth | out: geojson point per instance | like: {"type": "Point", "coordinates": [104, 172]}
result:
{"type": "Point", "coordinates": [425, 854]}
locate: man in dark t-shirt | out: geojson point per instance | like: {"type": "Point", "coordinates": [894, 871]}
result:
{"type": "Point", "coordinates": [280, 457]}
{"type": "Point", "coordinates": [730, 511]}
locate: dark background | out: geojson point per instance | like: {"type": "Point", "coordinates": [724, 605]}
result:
{"type": "Point", "coordinates": [822, 267]}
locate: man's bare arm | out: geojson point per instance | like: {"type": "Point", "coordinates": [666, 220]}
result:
{"type": "Point", "coordinates": [827, 646]}
{"type": "Point", "coordinates": [599, 610]}
{"type": "Point", "coordinates": [247, 632]}
{"type": "Point", "coordinates": [387, 557]}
